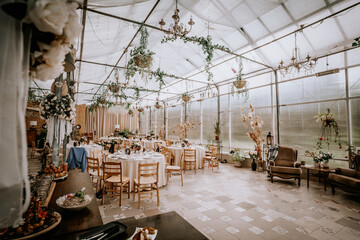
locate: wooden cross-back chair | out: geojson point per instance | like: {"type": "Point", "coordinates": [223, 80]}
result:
{"type": "Point", "coordinates": [112, 175]}
{"type": "Point", "coordinates": [189, 159]}
{"type": "Point", "coordinates": [147, 180]}
{"type": "Point", "coordinates": [169, 168]}
{"type": "Point", "coordinates": [93, 168]}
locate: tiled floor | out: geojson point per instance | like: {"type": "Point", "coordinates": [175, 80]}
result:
{"type": "Point", "coordinates": [236, 203]}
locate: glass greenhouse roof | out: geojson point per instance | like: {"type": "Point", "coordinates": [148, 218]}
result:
{"type": "Point", "coordinates": [242, 26]}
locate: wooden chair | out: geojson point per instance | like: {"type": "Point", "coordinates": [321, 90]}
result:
{"type": "Point", "coordinates": [97, 154]}
{"type": "Point", "coordinates": [36, 150]}
{"type": "Point", "coordinates": [209, 154]}
{"type": "Point", "coordinates": [189, 158]}
{"type": "Point", "coordinates": [93, 168]}
{"type": "Point", "coordinates": [169, 168]}
{"type": "Point", "coordinates": [147, 180]}
{"type": "Point", "coordinates": [112, 174]}
{"type": "Point", "coordinates": [214, 161]}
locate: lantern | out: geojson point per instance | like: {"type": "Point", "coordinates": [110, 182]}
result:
{"type": "Point", "coordinates": [269, 139]}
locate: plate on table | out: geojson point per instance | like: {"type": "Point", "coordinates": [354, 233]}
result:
{"type": "Point", "coordinates": [149, 236]}
{"type": "Point", "coordinates": [62, 177]}
{"type": "Point", "coordinates": [76, 207]}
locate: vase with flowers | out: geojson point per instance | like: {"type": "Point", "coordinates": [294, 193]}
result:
{"type": "Point", "coordinates": [256, 129]}
{"type": "Point", "coordinates": [254, 155]}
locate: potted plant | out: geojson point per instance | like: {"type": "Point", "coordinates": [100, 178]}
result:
{"type": "Point", "coordinates": [186, 97]}
{"type": "Point", "coordinates": [140, 109]}
{"type": "Point", "coordinates": [239, 82]}
{"type": "Point", "coordinates": [130, 112]}
{"type": "Point", "coordinates": [114, 87]}
{"type": "Point", "coordinates": [157, 105]}
{"type": "Point", "coordinates": [141, 55]}
{"type": "Point", "coordinates": [237, 158]}
{"type": "Point", "coordinates": [217, 130]}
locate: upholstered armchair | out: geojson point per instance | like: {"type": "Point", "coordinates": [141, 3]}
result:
{"type": "Point", "coordinates": [345, 178]}
{"type": "Point", "coordinates": [285, 164]}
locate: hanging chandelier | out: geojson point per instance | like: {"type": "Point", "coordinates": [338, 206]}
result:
{"type": "Point", "coordinates": [177, 29]}
{"type": "Point", "coordinates": [307, 65]}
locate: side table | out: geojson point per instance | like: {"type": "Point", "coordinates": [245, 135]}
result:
{"type": "Point", "coordinates": [321, 172]}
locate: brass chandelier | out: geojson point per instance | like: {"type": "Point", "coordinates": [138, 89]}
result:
{"type": "Point", "coordinates": [177, 29]}
{"type": "Point", "coordinates": [307, 65]}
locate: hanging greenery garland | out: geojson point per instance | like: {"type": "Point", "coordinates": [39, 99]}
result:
{"type": "Point", "coordinates": [207, 47]}
{"type": "Point", "coordinates": [63, 108]}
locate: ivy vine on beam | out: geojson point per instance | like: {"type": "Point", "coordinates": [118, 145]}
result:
{"type": "Point", "coordinates": [207, 47]}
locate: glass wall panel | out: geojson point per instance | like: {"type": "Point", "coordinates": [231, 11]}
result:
{"type": "Point", "coordinates": [354, 81]}
{"type": "Point", "coordinates": [224, 122]}
{"type": "Point", "coordinates": [159, 125]}
{"type": "Point", "coordinates": [313, 89]}
{"type": "Point", "coordinates": [144, 121]}
{"type": "Point", "coordinates": [194, 116]}
{"type": "Point", "coordinates": [174, 118]}
{"type": "Point", "coordinates": [355, 121]}
{"type": "Point", "coordinates": [209, 119]}
{"type": "Point", "coordinates": [298, 128]}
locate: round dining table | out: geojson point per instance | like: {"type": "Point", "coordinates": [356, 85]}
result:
{"type": "Point", "coordinates": [178, 153]}
{"type": "Point", "coordinates": [131, 162]}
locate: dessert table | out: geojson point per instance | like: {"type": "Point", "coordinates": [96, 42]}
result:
{"type": "Point", "coordinates": [131, 162]}
{"type": "Point", "coordinates": [178, 154]}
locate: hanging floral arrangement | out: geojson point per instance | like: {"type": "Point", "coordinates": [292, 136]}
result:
{"type": "Point", "coordinates": [329, 129]}
{"type": "Point", "coordinates": [63, 108]}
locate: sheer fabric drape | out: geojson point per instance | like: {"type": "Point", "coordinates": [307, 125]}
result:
{"type": "Point", "coordinates": [102, 123]}
{"type": "Point", "coordinates": [14, 49]}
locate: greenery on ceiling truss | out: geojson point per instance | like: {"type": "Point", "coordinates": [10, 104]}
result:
{"type": "Point", "coordinates": [141, 60]}
{"type": "Point", "coordinates": [207, 47]}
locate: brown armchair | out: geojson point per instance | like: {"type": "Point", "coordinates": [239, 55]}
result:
{"type": "Point", "coordinates": [345, 178]}
{"type": "Point", "coordinates": [285, 164]}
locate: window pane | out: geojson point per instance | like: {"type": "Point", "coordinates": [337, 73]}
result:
{"type": "Point", "coordinates": [313, 89]}
{"type": "Point", "coordinates": [298, 128]}
{"type": "Point", "coordinates": [174, 118]}
{"type": "Point", "coordinates": [354, 81]}
{"type": "Point", "coordinates": [209, 118]}
{"type": "Point", "coordinates": [355, 122]}
{"type": "Point", "coordinates": [194, 116]}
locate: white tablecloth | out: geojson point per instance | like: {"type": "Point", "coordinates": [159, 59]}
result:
{"type": "Point", "coordinates": [152, 144]}
{"type": "Point", "coordinates": [130, 165]}
{"type": "Point", "coordinates": [178, 155]}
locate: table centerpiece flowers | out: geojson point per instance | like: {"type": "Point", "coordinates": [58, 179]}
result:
{"type": "Point", "coordinates": [321, 158]}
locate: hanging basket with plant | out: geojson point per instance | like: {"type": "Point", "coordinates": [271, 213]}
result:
{"type": "Point", "coordinates": [157, 105]}
{"type": "Point", "coordinates": [140, 109]}
{"type": "Point", "coordinates": [186, 97]}
{"type": "Point", "coordinates": [113, 87]}
{"type": "Point", "coordinates": [143, 61]}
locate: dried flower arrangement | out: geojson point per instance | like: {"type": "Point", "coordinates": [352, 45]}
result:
{"type": "Point", "coordinates": [182, 129]}
{"type": "Point", "coordinates": [256, 126]}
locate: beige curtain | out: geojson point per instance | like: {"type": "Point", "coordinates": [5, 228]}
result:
{"type": "Point", "coordinates": [102, 123]}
